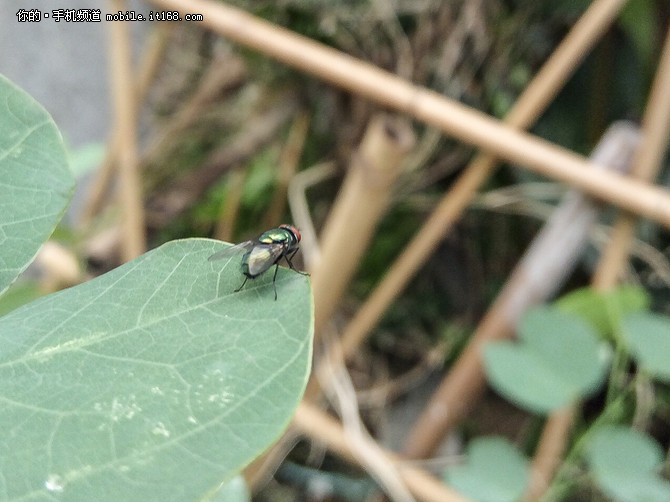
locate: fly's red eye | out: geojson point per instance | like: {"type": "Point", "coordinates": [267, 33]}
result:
{"type": "Point", "coordinates": [292, 229]}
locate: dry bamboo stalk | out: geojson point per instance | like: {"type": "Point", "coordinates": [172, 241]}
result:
{"type": "Point", "coordinates": [152, 58]}
{"type": "Point", "coordinates": [655, 134]}
{"type": "Point", "coordinates": [225, 227]}
{"type": "Point", "coordinates": [297, 200]}
{"type": "Point", "coordinates": [532, 102]}
{"type": "Point", "coordinates": [655, 131]}
{"type": "Point", "coordinates": [257, 132]}
{"type": "Point", "coordinates": [134, 241]}
{"type": "Point", "coordinates": [319, 426]}
{"type": "Point", "coordinates": [359, 206]}
{"type": "Point", "coordinates": [101, 183]}
{"type": "Point", "coordinates": [224, 73]}
{"type": "Point", "coordinates": [538, 94]}
{"type": "Point", "coordinates": [549, 453]}
{"type": "Point", "coordinates": [288, 165]}
{"type": "Point", "coordinates": [544, 266]}
{"type": "Point", "coordinates": [453, 118]}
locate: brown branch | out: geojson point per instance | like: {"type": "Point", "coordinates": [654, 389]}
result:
{"type": "Point", "coordinates": [288, 166]}
{"type": "Point", "coordinates": [100, 186]}
{"type": "Point", "coordinates": [360, 204]}
{"type": "Point", "coordinates": [655, 131]}
{"type": "Point", "coordinates": [453, 118]}
{"type": "Point", "coordinates": [319, 426]}
{"type": "Point", "coordinates": [655, 134]}
{"type": "Point", "coordinates": [166, 205]}
{"type": "Point", "coordinates": [540, 272]}
{"type": "Point", "coordinates": [530, 105]}
{"type": "Point", "coordinates": [125, 111]}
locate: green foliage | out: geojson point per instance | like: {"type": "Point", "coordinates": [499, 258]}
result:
{"type": "Point", "coordinates": [153, 382]}
{"type": "Point", "coordinates": [625, 464]}
{"type": "Point", "coordinates": [557, 360]}
{"type": "Point", "coordinates": [604, 311]}
{"type": "Point", "coordinates": [639, 21]}
{"type": "Point", "coordinates": [19, 293]}
{"type": "Point", "coordinates": [495, 471]}
{"type": "Point", "coordinates": [36, 183]}
{"type": "Point", "coordinates": [260, 180]}
{"type": "Point", "coordinates": [648, 336]}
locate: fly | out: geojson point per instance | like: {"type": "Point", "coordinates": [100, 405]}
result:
{"type": "Point", "coordinates": [267, 250]}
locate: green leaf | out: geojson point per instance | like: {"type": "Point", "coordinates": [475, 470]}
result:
{"type": "Point", "coordinates": [648, 336]}
{"type": "Point", "coordinates": [640, 22]}
{"type": "Point", "coordinates": [154, 382]}
{"type": "Point", "coordinates": [557, 360]}
{"type": "Point", "coordinates": [35, 181]}
{"type": "Point", "coordinates": [19, 293]}
{"type": "Point", "coordinates": [495, 471]}
{"type": "Point", "coordinates": [624, 462]}
{"type": "Point", "coordinates": [604, 310]}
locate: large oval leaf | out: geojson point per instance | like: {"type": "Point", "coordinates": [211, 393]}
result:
{"type": "Point", "coordinates": [649, 338]}
{"type": "Point", "coordinates": [625, 464]}
{"type": "Point", "coordinates": [558, 359]}
{"type": "Point", "coordinates": [495, 471]}
{"type": "Point", "coordinates": [154, 382]}
{"type": "Point", "coordinates": [35, 181]}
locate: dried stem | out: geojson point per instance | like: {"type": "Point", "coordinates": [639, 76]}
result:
{"type": "Point", "coordinates": [655, 132]}
{"type": "Point", "coordinates": [319, 426]}
{"type": "Point", "coordinates": [225, 227]}
{"type": "Point", "coordinates": [530, 105]}
{"type": "Point", "coordinates": [453, 118]}
{"type": "Point", "coordinates": [125, 111]}
{"type": "Point", "coordinates": [538, 275]}
{"type": "Point", "coordinates": [549, 452]}
{"type": "Point", "coordinates": [288, 165]}
{"type": "Point", "coordinates": [360, 204]}
{"type": "Point", "coordinates": [334, 378]}
{"type": "Point", "coordinates": [100, 186]}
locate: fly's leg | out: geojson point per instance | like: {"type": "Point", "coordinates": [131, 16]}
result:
{"type": "Point", "coordinates": [274, 278]}
{"type": "Point", "coordinates": [245, 281]}
{"type": "Point", "coordinates": [288, 257]}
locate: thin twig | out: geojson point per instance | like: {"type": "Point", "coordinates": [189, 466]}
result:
{"type": "Point", "coordinates": [288, 165]}
{"type": "Point", "coordinates": [539, 273]}
{"type": "Point", "coordinates": [655, 134]}
{"type": "Point", "coordinates": [334, 378]}
{"type": "Point", "coordinates": [319, 426]}
{"type": "Point", "coordinates": [453, 118]}
{"type": "Point", "coordinates": [531, 103]}
{"type": "Point", "coordinates": [297, 200]}
{"type": "Point", "coordinates": [100, 186]}
{"type": "Point", "coordinates": [360, 204]}
{"type": "Point", "coordinates": [125, 110]}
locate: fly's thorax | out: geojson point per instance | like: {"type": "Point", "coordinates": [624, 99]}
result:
{"type": "Point", "coordinates": [282, 235]}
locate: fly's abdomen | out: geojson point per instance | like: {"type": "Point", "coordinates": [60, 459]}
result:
{"type": "Point", "coordinates": [257, 261]}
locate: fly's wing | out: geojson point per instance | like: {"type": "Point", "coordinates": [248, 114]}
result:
{"type": "Point", "coordinates": [263, 256]}
{"type": "Point", "coordinates": [231, 251]}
